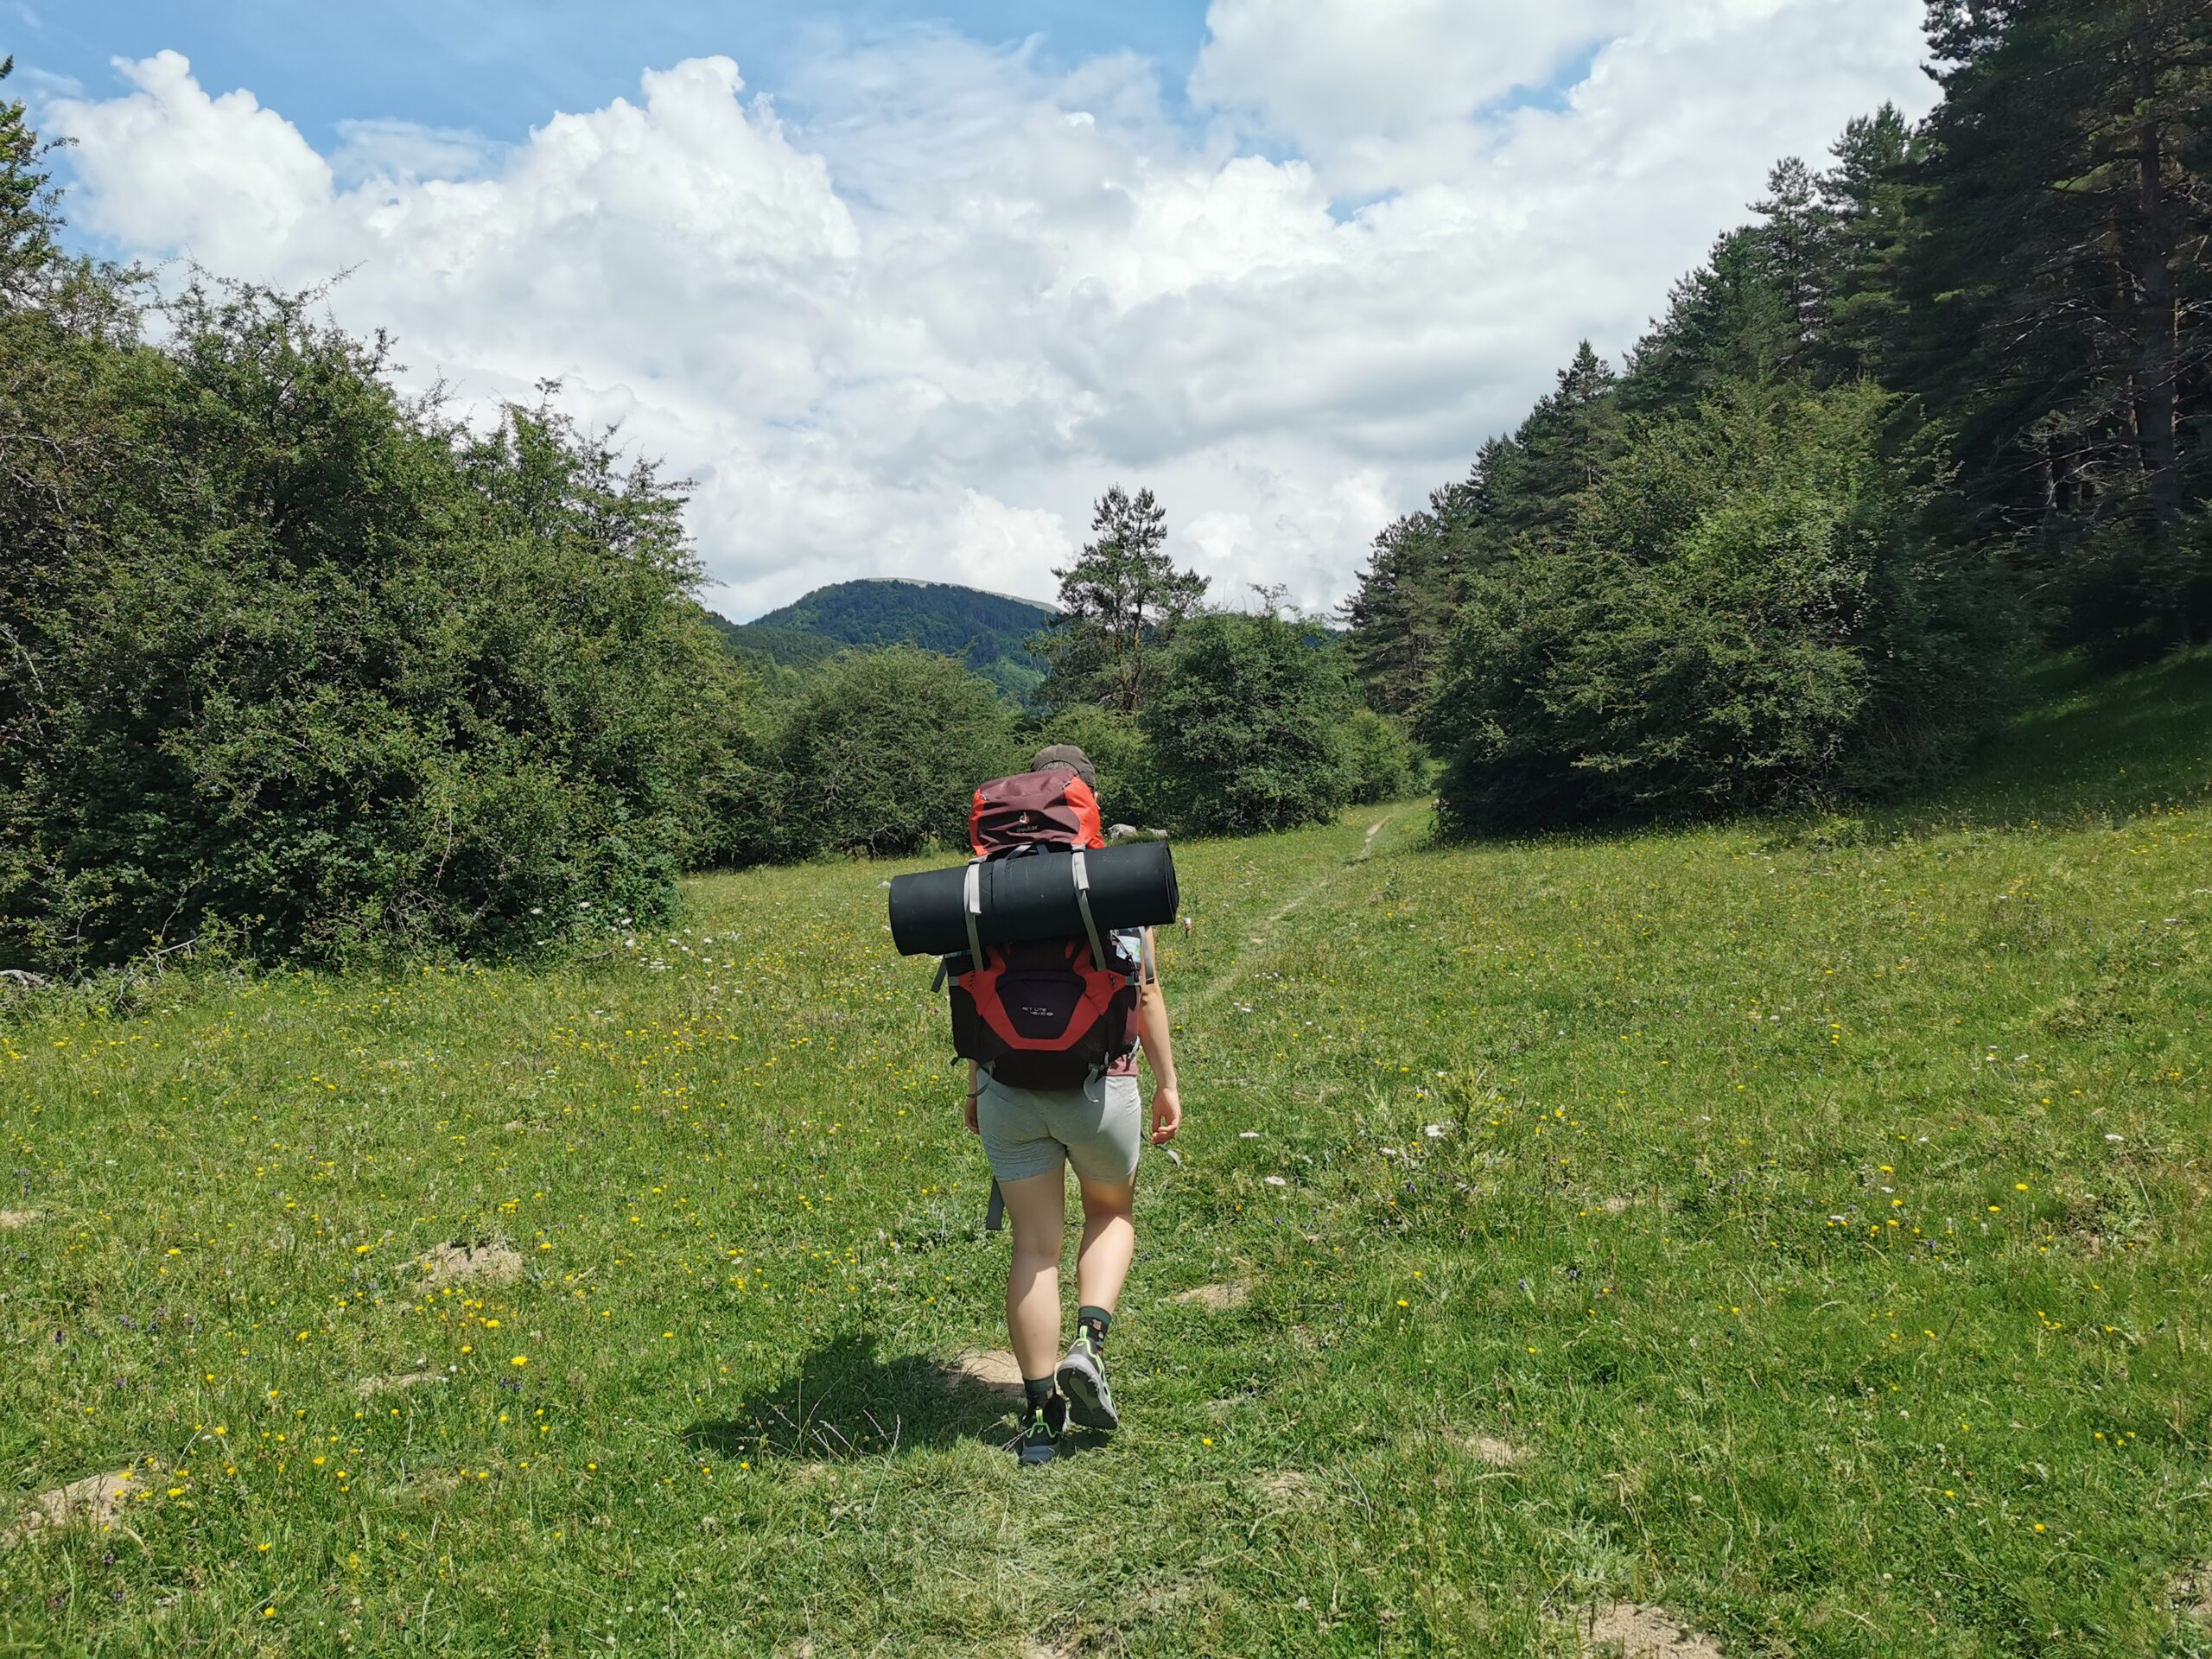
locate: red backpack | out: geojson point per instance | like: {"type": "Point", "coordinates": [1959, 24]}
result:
{"type": "Point", "coordinates": [1055, 1013]}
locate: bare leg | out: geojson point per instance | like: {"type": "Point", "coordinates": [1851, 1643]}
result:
{"type": "Point", "coordinates": [1109, 1240]}
{"type": "Point", "coordinates": [1038, 1208]}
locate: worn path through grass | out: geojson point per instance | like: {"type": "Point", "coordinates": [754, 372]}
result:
{"type": "Point", "coordinates": [1788, 1232]}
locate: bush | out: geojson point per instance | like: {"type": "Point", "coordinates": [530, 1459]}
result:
{"type": "Point", "coordinates": [1380, 763]}
{"type": "Point", "coordinates": [1746, 614]}
{"type": "Point", "coordinates": [317, 668]}
{"type": "Point", "coordinates": [882, 750]}
{"type": "Point", "coordinates": [1246, 728]}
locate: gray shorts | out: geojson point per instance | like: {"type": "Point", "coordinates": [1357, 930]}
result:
{"type": "Point", "coordinates": [1030, 1131]}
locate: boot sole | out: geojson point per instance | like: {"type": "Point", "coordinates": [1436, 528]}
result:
{"type": "Point", "coordinates": [1086, 1409]}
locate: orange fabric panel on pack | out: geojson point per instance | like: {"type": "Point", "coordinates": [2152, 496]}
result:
{"type": "Point", "coordinates": [1054, 808]}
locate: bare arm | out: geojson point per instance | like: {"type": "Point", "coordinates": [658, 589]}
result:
{"type": "Point", "coordinates": [1153, 1025]}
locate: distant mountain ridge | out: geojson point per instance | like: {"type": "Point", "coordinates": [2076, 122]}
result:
{"type": "Point", "coordinates": [988, 632]}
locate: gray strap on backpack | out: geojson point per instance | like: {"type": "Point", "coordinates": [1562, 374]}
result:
{"type": "Point", "coordinates": [1083, 903]}
{"type": "Point", "coordinates": [972, 903]}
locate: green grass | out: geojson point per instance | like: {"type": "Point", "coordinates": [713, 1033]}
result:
{"type": "Point", "coordinates": [1817, 1207]}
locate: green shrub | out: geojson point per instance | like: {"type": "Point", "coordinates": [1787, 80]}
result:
{"type": "Point", "coordinates": [881, 752]}
{"type": "Point", "coordinates": [1746, 613]}
{"type": "Point", "coordinates": [1245, 730]}
{"type": "Point", "coordinates": [300, 661]}
{"type": "Point", "coordinates": [1380, 763]}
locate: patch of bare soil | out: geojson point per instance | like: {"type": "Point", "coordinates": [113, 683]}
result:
{"type": "Point", "coordinates": [2192, 1592]}
{"type": "Point", "coordinates": [993, 1369]}
{"type": "Point", "coordinates": [1290, 1487]}
{"type": "Point", "coordinates": [1613, 1207]}
{"type": "Point", "coordinates": [458, 1264]}
{"type": "Point", "coordinates": [95, 1501]}
{"type": "Point", "coordinates": [1216, 1296]}
{"type": "Point", "coordinates": [369, 1387]}
{"type": "Point", "coordinates": [10, 1218]}
{"type": "Point", "coordinates": [1488, 1448]}
{"type": "Point", "coordinates": [1628, 1630]}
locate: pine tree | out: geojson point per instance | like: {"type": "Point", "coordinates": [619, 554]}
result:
{"type": "Point", "coordinates": [1728, 320]}
{"type": "Point", "coordinates": [1864, 199]}
{"type": "Point", "coordinates": [1795, 240]}
{"type": "Point", "coordinates": [1396, 619]}
{"type": "Point", "coordinates": [1532, 484]}
{"type": "Point", "coordinates": [2059, 322]}
{"type": "Point", "coordinates": [1521, 488]}
{"type": "Point", "coordinates": [1119, 601]}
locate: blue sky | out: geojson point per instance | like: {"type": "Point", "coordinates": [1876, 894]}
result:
{"type": "Point", "coordinates": [499, 67]}
{"type": "Point", "coordinates": [1287, 262]}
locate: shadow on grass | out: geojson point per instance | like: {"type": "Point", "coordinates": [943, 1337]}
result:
{"type": "Point", "coordinates": [845, 1402]}
{"type": "Point", "coordinates": [2086, 751]}
{"type": "Point", "coordinates": [2112, 748]}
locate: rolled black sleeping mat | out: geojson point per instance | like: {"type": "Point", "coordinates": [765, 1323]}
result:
{"type": "Point", "coordinates": [1033, 896]}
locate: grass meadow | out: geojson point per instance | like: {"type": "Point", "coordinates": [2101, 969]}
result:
{"type": "Point", "coordinates": [1798, 1227]}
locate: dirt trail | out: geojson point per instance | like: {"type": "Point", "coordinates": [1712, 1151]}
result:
{"type": "Point", "coordinates": [1203, 995]}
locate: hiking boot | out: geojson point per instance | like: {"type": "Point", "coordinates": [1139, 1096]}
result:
{"type": "Point", "coordinates": [1083, 1379]}
{"type": "Point", "coordinates": [1040, 1435]}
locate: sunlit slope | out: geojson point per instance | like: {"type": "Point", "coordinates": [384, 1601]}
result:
{"type": "Point", "coordinates": [1798, 1226]}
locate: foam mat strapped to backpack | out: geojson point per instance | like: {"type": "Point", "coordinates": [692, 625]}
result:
{"type": "Point", "coordinates": [1033, 896]}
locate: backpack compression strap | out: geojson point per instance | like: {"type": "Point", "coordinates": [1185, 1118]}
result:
{"type": "Point", "coordinates": [1083, 903]}
{"type": "Point", "coordinates": [972, 904]}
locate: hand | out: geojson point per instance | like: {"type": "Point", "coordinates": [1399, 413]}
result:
{"type": "Point", "coordinates": [968, 1112]}
{"type": "Point", "coordinates": [1166, 1114]}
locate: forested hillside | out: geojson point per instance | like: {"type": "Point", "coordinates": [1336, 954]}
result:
{"type": "Point", "coordinates": [768, 649]}
{"type": "Point", "coordinates": [989, 632]}
{"type": "Point", "coordinates": [1941, 405]}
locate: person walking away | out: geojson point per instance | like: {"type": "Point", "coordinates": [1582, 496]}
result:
{"type": "Point", "coordinates": [1031, 1137]}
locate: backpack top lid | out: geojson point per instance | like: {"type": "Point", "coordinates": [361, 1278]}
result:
{"type": "Point", "coordinates": [1054, 808]}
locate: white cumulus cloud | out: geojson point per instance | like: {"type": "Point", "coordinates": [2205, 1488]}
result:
{"type": "Point", "coordinates": [914, 325]}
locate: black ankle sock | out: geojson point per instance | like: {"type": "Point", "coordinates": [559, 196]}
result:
{"type": "Point", "coordinates": [1095, 1320]}
{"type": "Point", "coordinates": [1037, 1389]}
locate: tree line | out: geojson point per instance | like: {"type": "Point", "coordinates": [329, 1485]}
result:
{"type": "Point", "coordinates": [304, 669]}
{"type": "Point", "coordinates": [1941, 406]}
{"type": "Point", "coordinates": [304, 666]}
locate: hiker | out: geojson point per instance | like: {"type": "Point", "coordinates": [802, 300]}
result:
{"type": "Point", "coordinates": [1030, 1135]}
